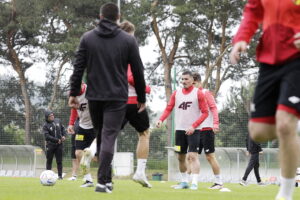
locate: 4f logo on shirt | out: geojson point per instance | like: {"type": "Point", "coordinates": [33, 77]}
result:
{"type": "Point", "coordinates": [185, 105]}
{"type": "Point", "coordinates": [296, 2]}
{"type": "Point", "coordinates": [82, 106]}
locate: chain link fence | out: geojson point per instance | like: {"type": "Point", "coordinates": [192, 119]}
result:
{"type": "Point", "coordinates": [233, 124]}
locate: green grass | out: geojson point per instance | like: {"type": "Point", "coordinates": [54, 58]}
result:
{"type": "Point", "coordinates": [31, 189]}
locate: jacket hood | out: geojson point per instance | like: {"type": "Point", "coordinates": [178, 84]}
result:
{"type": "Point", "coordinates": [47, 113]}
{"type": "Point", "coordinates": [107, 28]}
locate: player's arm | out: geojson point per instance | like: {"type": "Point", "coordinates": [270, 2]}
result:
{"type": "Point", "coordinates": [137, 69]}
{"type": "Point", "coordinates": [79, 67]}
{"type": "Point", "coordinates": [131, 80]}
{"type": "Point", "coordinates": [72, 119]}
{"type": "Point", "coordinates": [252, 17]}
{"type": "Point", "coordinates": [203, 108]}
{"type": "Point", "coordinates": [167, 110]}
{"type": "Point", "coordinates": [214, 109]}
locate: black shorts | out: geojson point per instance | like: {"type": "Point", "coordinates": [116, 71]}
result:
{"type": "Point", "coordinates": [73, 148]}
{"type": "Point", "coordinates": [207, 142]}
{"type": "Point", "coordinates": [186, 143]}
{"type": "Point", "coordinates": [140, 121]}
{"type": "Point", "coordinates": [84, 138]}
{"type": "Point", "coordinates": [278, 87]}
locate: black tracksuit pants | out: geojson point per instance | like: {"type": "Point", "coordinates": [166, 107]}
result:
{"type": "Point", "coordinates": [253, 164]}
{"type": "Point", "coordinates": [107, 118]}
{"type": "Point", "coordinates": [57, 150]}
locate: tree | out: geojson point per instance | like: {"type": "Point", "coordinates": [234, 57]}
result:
{"type": "Point", "coordinates": [235, 115]}
{"type": "Point", "coordinates": [68, 20]}
{"type": "Point", "coordinates": [20, 22]}
{"type": "Point", "coordinates": [195, 34]}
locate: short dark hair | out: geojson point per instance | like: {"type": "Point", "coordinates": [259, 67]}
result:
{"type": "Point", "coordinates": [127, 26]}
{"type": "Point", "coordinates": [197, 77]}
{"type": "Point", "coordinates": [187, 72]}
{"type": "Point", "coordinates": [110, 11]}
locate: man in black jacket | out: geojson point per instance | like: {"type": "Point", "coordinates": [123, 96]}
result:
{"type": "Point", "coordinates": [55, 134]}
{"type": "Point", "coordinates": [254, 150]}
{"type": "Point", "coordinates": [105, 53]}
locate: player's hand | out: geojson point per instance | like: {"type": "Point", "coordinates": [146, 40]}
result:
{"type": "Point", "coordinates": [239, 47]}
{"type": "Point", "coordinates": [190, 131]}
{"type": "Point", "coordinates": [141, 107]}
{"type": "Point", "coordinates": [73, 102]}
{"type": "Point", "coordinates": [216, 130]}
{"type": "Point", "coordinates": [63, 138]}
{"type": "Point", "coordinates": [297, 40]}
{"type": "Point", "coordinates": [158, 123]}
{"type": "Point", "coordinates": [70, 129]}
{"type": "Point", "coordinates": [59, 141]}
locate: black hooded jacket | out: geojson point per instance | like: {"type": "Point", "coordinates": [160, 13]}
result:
{"type": "Point", "coordinates": [53, 130]}
{"type": "Point", "coordinates": [252, 146]}
{"type": "Point", "coordinates": [106, 52]}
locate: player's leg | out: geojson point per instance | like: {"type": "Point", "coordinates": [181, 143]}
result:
{"type": "Point", "coordinates": [113, 115]}
{"type": "Point", "coordinates": [262, 132]}
{"type": "Point", "coordinates": [288, 151]}
{"type": "Point", "coordinates": [140, 121]}
{"type": "Point", "coordinates": [208, 138]}
{"type": "Point", "coordinates": [75, 162]}
{"type": "Point", "coordinates": [181, 145]}
{"type": "Point", "coordinates": [86, 158]}
{"type": "Point", "coordinates": [193, 159]}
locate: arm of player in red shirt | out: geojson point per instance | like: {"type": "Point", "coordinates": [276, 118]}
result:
{"type": "Point", "coordinates": [203, 108]}
{"type": "Point", "coordinates": [169, 108]}
{"type": "Point", "coordinates": [73, 116]}
{"type": "Point", "coordinates": [252, 17]}
{"type": "Point", "coordinates": [213, 108]}
{"type": "Point", "coordinates": [131, 80]}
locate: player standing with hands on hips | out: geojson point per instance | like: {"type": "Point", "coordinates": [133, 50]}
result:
{"type": "Point", "coordinates": [276, 104]}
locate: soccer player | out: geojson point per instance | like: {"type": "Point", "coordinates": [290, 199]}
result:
{"type": "Point", "coordinates": [140, 121]}
{"type": "Point", "coordinates": [55, 135]}
{"type": "Point", "coordinates": [276, 104]}
{"type": "Point", "coordinates": [190, 111]}
{"type": "Point", "coordinates": [209, 127]}
{"type": "Point", "coordinates": [84, 132]}
{"type": "Point", "coordinates": [106, 52]}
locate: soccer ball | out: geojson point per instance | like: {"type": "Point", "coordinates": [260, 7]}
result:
{"type": "Point", "coordinates": [48, 178]}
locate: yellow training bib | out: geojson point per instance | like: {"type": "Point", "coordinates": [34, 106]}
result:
{"type": "Point", "coordinates": [79, 137]}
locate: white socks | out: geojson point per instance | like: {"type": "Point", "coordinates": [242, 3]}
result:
{"type": "Point", "coordinates": [93, 147]}
{"type": "Point", "coordinates": [218, 179]}
{"type": "Point", "coordinates": [195, 179]}
{"type": "Point", "coordinates": [141, 166]}
{"type": "Point", "coordinates": [184, 177]}
{"type": "Point", "coordinates": [286, 190]}
{"type": "Point", "coordinates": [88, 177]}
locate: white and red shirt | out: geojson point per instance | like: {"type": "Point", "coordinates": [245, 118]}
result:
{"type": "Point", "coordinates": [212, 121]}
{"type": "Point", "coordinates": [132, 96]}
{"type": "Point", "coordinates": [82, 112]}
{"type": "Point", "coordinates": [190, 108]}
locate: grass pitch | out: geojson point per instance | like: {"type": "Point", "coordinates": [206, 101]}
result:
{"type": "Point", "coordinates": [31, 189]}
